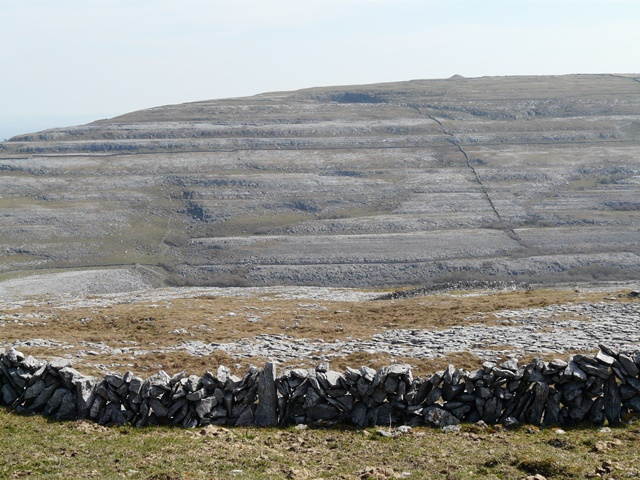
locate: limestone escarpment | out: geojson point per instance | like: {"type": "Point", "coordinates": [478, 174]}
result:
{"type": "Point", "coordinates": [521, 177]}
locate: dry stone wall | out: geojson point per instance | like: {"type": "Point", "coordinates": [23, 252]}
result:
{"type": "Point", "coordinates": [586, 388]}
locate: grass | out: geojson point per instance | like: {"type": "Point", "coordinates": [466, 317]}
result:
{"type": "Point", "coordinates": [35, 447]}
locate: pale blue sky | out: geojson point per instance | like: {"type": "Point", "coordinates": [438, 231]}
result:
{"type": "Point", "coordinates": [70, 61]}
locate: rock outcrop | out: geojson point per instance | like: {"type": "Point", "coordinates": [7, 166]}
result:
{"type": "Point", "coordinates": [389, 184]}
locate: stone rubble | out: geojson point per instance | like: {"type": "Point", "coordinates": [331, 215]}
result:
{"type": "Point", "coordinates": [18, 299]}
{"type": "Point", "coordinates": [554, 329]}
{"type": "Point", "coordinates": [526, 331]}
{"type": "Point", "coordinates": [601, 388]}
{"type": "Point", "coordinates": [452, 286]}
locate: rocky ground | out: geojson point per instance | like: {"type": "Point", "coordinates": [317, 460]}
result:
{"type": "Point", "coordinates": [577, 321]}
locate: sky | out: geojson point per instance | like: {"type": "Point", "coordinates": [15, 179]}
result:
{"type": "Point", "coordinates": [67, 62]}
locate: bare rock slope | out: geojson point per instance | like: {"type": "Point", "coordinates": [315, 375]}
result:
{"type": "Point", "coordinates": [399, 183]}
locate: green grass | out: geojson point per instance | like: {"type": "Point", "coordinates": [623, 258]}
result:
{"type": "Point", "coordinates": [34, 447]}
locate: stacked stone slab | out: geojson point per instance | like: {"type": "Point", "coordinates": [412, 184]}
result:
{"type": "Point", "coordinates": [586, 388]}
{"type": "Point", "coordinates": [183, 400]}
{"type": "Point", "coordinates": [54, 388]}
{"type": "Point", "coordinates": [364, 396]}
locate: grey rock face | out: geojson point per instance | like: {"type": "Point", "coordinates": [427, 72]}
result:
{"type": "Point", "coordinates": [85, 394]}
{"type": "Point", "coordinates": [629, 365]}
{"type": "Point", "coordinates": [42, 399]}
{"type": "Point", "coordinates": [575, 371]}
{"type": "Point", "coordinates": [266, 413]}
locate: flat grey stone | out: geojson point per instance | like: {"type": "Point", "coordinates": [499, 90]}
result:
{"type": "Point", "coordinates": [323, 411]}
{"type": "Point", "coordinates": [605, 359]}
{"type": "Point", "coordinates": [222, 374]}
{"type": "Point", "coordinates": [69, 376]}
{"type": "Point", "coordinates": [399, 369]}
{"type": "Point", "coordinates": [55, 401]}
{"type": "Point", "coordinates": [20, 377]}
{"type": "Point", "coordinates": [333, 378]}
{"type": "Point", "coordinates": [299, 373]}
{"type": "Point", "coordinates": [629, 365]}
{"type": "Point", "coordinates": [97, 407]}
{"type": "Point", "coordinates": [246, 417]}
{"type": "Point", "coordinates": [42, 399]}
{"type": "Point", "coordinates": [367, 373]}
{"type": "Point", "coordinates": [34, 390]}
{"type": "Point", "coordinates": [511, 364]}
{"type": "Point", "coordinates": [438, 417]}
{"type": "Point", "coordinates": [158, 407]}
{"type": "Point", "coordinates": [503, 373]}
{"type": "Point", "coordinates": [85, 395]}
{"type": "Point", "coordinates": [634, 403]}
{"type": "Point", "coordinates": [59, 363]}
{"type": "Point", "coordinates": [311, 399]}
{"type": "Point", "coordinates": [67, 410]}
{"type": "Point", "coordinates": [575, 371]}
{"type": "Point", "coordinates": [31, 363]}
{"type": "Point", "coordinates": [135, 385]}
{"type": "Point", "coordinates": [197, 395]}
{"type": "Point", "coordinates": [177, 377]}
{"type": "Point", "coordinates": [114, 379]}
{"type": "Point", "coordinates": [208, 381]}
{"type": "Point", "coordinates": [205, 405]}
{"type": "Point", "coordinates": [191, 385]}
{"type": "Point", "coordinates": [177, 406]}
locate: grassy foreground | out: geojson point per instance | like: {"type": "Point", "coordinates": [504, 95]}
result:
{"type": "Point", "coordinates": [36, 447]}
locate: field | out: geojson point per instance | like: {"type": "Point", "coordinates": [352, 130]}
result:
{"type": "Point", "coordinates": [116, 235]}
{"type": "Point", "coordinates": [142, 331]}
{"type": "Point", "coordinates": [32, 447]}
{"type": "Point", "coordinates": [164, 330]}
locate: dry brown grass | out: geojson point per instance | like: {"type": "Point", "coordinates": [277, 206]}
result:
{"type": "Point", "coordinates": [224, 319]}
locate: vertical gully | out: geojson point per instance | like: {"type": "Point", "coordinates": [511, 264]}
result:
{"type": "Point", "coordinates": [509, 230]}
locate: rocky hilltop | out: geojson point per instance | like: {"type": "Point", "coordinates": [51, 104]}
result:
{"type": "Point", "coordinates": [399, 183]}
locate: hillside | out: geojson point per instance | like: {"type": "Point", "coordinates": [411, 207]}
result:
{"type": "Point", "coordinates": [534, 178]}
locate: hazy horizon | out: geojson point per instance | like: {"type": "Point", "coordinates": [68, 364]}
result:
{"type": "Point", "coordinates": [11, 126]}
{"type": "Point", "coordinates": [19, 125]}
{"type": "Point", "coordinates": [73, 58]}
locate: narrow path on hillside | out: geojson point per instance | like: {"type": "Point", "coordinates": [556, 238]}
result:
{"type": "Point", "coordinates": [509, 230]}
